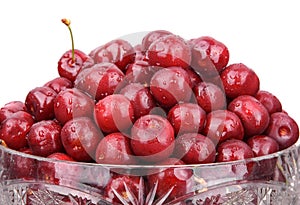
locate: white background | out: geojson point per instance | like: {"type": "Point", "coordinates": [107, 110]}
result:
{"type": "Point", "coordinates": [264, 35]}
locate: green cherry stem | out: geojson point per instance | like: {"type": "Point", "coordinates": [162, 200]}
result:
{"type": "Point", "coordinates": [67, 22]}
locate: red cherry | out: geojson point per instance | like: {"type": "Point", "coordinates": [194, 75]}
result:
{"type": "Point", "coordinates": [194, 148]}
{"type": "Point", "coordinates": [44, 138]}
{"type": "Point", "coordinates": [115, 149]}
{"type": "Point", "coordinates": [270, 101]}
{"type": "Point", "coordinates": [80, 137]}
{"type": "Point", "coordinates": [209, 56]}
{"type": "Point", "coordinates": [169, 51]}
{"type": "Point", "coordinates": [10, 108]}
{"type": "Point", "coordinates": [238, 79]}
{"type": "Point", "coordinates": [254, 116]}
{"type": "Point", "coordinates": [40, 103]}
{"type": "Point", "coordinates": [187, 117]}
{"type": "Point", "coordinates": [263, 145]}
{"type": "Point", "coordinates": [152, 138]}
{"type": "Point", "coordinates": [170, 86]}
{"type": "Point", "coordinates": [58, 84]}
{"type": "Point", "coordinates": [152, 36]}
{"type": "Point", "coordinates": [60, 156]}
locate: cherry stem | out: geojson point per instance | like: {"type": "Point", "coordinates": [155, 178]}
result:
{"type": "Point", "coordinates": [67, 22]}
{"type": "Point", "coordinates": [3, 143]}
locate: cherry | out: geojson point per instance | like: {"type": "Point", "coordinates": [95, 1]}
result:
{"type": "Point", "coordinates": [253, 114]}
{"type": "Point", "coordinates": [263, 145]}
{"type": "Point", "coordinates": [80, 137]}
{"type": "Point", "coordinates": [283, 129]}
{"type": "Point", "coordinates": [194, 77]}
{"type": "Point", "coordinates": [72, 61]}
{"type": "Point", "coordinates": [40, 103]}
{"type": "Point", "coordinates": [44, 138]}
{"type": "Point", "coordinates": [209, 56]}
{"type": "Point", "coordinates": [222, 125]}
{"type": "Point", "coordinates": [115, 148]}
{"type": "Point", "coordinates": [58, 84]}
{"type": "Point", "coordinates": [270, 101]}
{"type": "Point", "coordinates": [140, 98]}
{"type": "Point", "coordinates": [71, 103]}
{"type": "Point", "coordinates": [118, 51]}
{"type": "Point", "coordinates": [169, 51]}
{"type": "Point", "coordinates": [60, 156]}
{"type": "Point", "coordinates": [152, 36]}
{"type": "Point", "coordinates": [187, 117]}
{"type": "Point", "coordinates": [194, 148]}
{"type": "Point", "coordinates": [178, 180]}
{"type": "Point", "coordinates": [238, 79]}
{"type": "Point", "coordinates": [114, 113]}
{"type": "Point", "coordinates": [170, 86]}
{"type": "Point", "coordinates": [10, 108]}
{"type": "Point", "coordinates": [99, 80]}
{"type": "Point", "coordinates": [14, 129]}
{"type": "Point", "coordinates": [210, 96]}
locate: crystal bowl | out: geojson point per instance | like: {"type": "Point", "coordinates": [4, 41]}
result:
{"type": "Point", "coordinates": [271, 179]}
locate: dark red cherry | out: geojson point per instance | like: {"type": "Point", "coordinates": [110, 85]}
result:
{"type": "Point", "coordinates": [210, 96]}
{"type": "Point", "coordinates": [283, 129]}
{"type": "Point", "coordinates": [140, 98]}
{"type": "Point", "coordinates": [176, 180]}
{"type": "Point", "coordinates": [40, 103]}
{"type": "Point", "coordinates": [80, 137]}
{"type": "Point", "coordinates": [238, 79]}
{"type": "Point", "coordinates": [152, 36]}
{"type": "Point", "coordinates": [58, 84]}
{"type": "Point", "coordinates": [209, 56]}
{"type": "Point", "coordinates": [115, 148]}
{"type": "Point", "coordinates": [60, 156]}
{"type": "Point", "coordinates": [14, 129]}
{"type": "Point", "coordinates": [195, 78]}
{"type": "Point", "coordinates": [170, 86]}
{"type": "Point", "coordinates": [44, 138]}
{"type": "Point", "coordinates": [169, 51]}
{"type": "Point", "coordinates": [187, 117]}
{"type": "Point", "coordinates": [152, 138]}
{"type": "Point", "coordinates": [222, 125]}
{"type": "Point", "coordinates": [263, 145]}
{"type": "Point", "coordinates": [119, 52]}
{"type": "Point", "coordinates": [10, 108]}
{"type": "Point", "coordinates": [114, 113]}
{"type": "Point", "coordinates": [270, 101]}
{"type": "Point", "coordinates": [71, 103]}
{"type": "Point", "coordinates": [194, 148]}
{"type": "Point", "coordinates": [99, 80]}
{"type": "Point", "coordinates": [253, 114]}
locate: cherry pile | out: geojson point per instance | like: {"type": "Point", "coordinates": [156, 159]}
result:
{"type": "Point", "coordinates": [164, 101]}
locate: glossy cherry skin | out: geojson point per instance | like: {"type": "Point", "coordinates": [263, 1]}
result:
{"type": "Point", "coordinates": [209, 56]}
{"type": "Point", "coordinates": [169, 51]}
{"type": "Point", "coordinates": [270, 101]}
{"type": "Point", "coordinates": [194, 148]}
{"type": "Point", "coordinates": [210, 96]}
{"type": "Point", "coordinates": [10, 108]}
{"type": "Point", "coordinates": [253, 114]}
{"type": "Point", "coordinates": [44, 138]}
{"type": "Point", "coordinates": [194, 77]}
{"type": "Point", "coordinates": [263, 145]}
{"type": "Point", "coordinates": [116, 184]}
{"type": "Point", "coordinates": [179, 179]}
{"type": "Point", "coordinates": [140, 97]}
{"type": "Point", "coordinates": [71, 103]}
{"type": "Point", "coordinates": [118, 51]}
{"type": "Point", "coordinates": [152, 138]}
{"type": "Point", "coordinates": [170, 86]}
{"type": "Point", "coordinates": [114, 113]}
{"type": "Point", "coordinates": [80, 137]}
{"type": "Point", "coordinates": [60, 156]}
{"type": "Point", "coordinates": [14, 129]}
{"type": "Point", "coordinates": [68, 68]}
{"type": "Point", "coordinates": [40, 103]}
{"type": "Point", "coordinates": [238, 79]}
{"type": "Point", "coordinates": [187, 117]}
{"type": "Point", "coordinates": [58, 84]}
{"type": "Point", "coordinates": [152, 36]}
{"type": "Point", "coordinates": [283, 129]}
{"type": "Point", "coordinates": [115, 148]}
{"type": "Point", "coordinates": [222, 125]}
{"type": "Point", "coordinates": [99, 80]}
